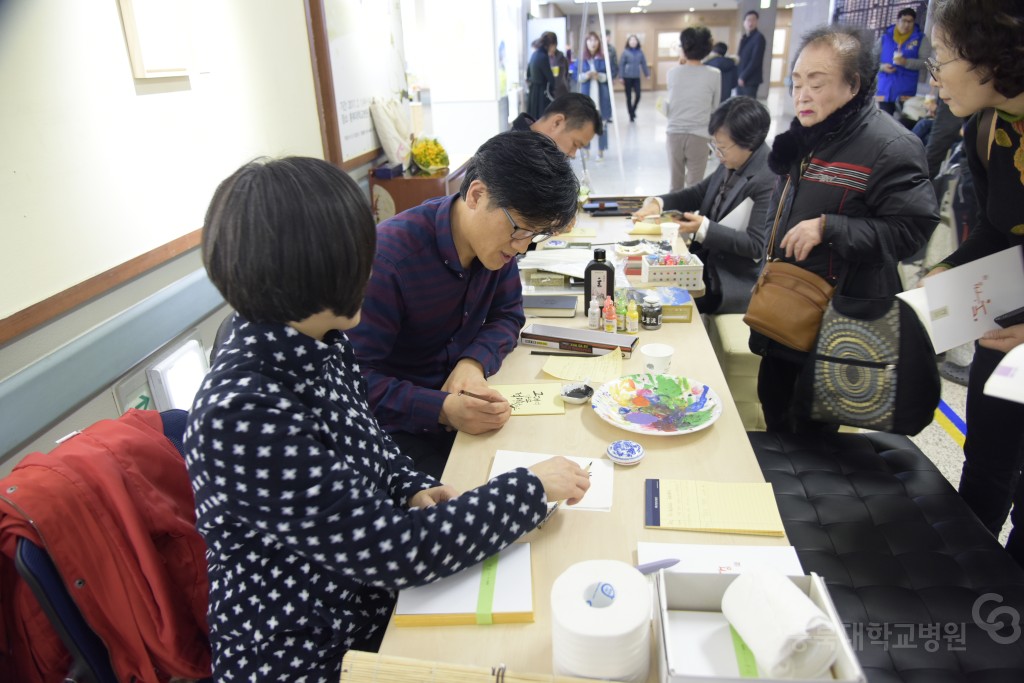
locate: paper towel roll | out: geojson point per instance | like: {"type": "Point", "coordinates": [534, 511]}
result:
{"type": "Point", "coordinates": [600, 621]}
{"type": "Point", "coordinates": [789, 635]}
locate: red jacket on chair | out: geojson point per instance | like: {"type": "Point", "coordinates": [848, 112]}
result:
{"type": "Point", "coordinates": [113, 507]}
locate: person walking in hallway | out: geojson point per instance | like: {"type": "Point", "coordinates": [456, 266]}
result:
{"type": "Point", "coordinates": [613, 55]}
{"type": "Point", "coordinates": [752, 46]}
{"type": "Point", "coordinates": [693, 92]}
{"type": "Point", "coordinates": [594, 84]}
{"type": "Point", "coordinates": [631, 65]}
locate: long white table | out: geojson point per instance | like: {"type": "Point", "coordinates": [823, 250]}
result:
{"type": "Point", "coordinates": [720, 452]}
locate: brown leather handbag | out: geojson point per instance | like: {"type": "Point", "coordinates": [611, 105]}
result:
{"type": "Point", "coordinates": [788, 301]}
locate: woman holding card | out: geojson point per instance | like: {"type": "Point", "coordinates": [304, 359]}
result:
{"type": "Point", "coordinates": [977, 63]}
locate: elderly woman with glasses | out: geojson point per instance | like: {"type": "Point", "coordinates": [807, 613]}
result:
{"type": "Point", "coordinates": [978, 66]}
{"type": "Point", "coordinates": [853, 197]}
{"type": "Point", "coordinates": [726, 211]}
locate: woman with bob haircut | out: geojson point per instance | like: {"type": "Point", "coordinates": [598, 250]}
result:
{"type": "Point", "coordinates": [738, 130]}
{"type": "Point", "coordinates": [853, 197]}
{"type": "Point", "coordinates": [978, 65]}
{"type": "Point", "coordinates": [313, 519]}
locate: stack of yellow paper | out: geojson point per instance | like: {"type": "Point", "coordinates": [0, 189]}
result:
{"type": "Point", "coordinates": [722, 507]}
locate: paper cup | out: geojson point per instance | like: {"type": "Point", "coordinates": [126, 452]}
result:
{"type": "Point", "coordinates": [657, 358]}
{"type": "Point", "coordinates": [669, 232]}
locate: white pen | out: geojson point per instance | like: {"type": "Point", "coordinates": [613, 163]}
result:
{"type": "Point", "coordinates": [651, 567]}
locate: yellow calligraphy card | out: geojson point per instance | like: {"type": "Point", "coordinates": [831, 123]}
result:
{"type": "Point", "coordinates": [533, 399]}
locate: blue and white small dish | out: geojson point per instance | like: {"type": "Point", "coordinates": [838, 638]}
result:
{"type": "Point", "coordinates": [625, 452]}
{"type": "Point", "coordinates": [556, 244]}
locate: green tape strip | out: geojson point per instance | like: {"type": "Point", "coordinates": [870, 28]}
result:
{"type": "Point", "coordinates": [485, 598]}
{"type": "Point", "coordinates": [744, 657]}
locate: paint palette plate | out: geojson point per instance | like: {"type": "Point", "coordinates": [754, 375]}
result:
{"type": "Point", "coordinates": [658, 405]}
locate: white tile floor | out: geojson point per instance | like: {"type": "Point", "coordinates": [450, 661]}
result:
{"type": "Point", "coordinates": [636, 163]}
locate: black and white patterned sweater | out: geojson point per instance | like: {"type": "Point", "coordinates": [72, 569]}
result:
{"type": "Point", "coordinates": [301, 498]}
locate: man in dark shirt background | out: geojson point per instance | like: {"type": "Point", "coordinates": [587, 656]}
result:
{"type": "Point", "coordinates": [751, 56]}
{"type": "Point", "coordinates": [571, 121]}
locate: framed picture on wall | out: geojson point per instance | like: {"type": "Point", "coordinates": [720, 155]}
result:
{"type": "Point", "coordinates": [158, 37]}
{"type": "Point", "coordinates": [358, 56]}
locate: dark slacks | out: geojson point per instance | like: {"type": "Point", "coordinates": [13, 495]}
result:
{"type": "Point", "coordinates": [776, 390]}
{"type": "Point", "coordinates": [428, 451]}
{"type": "Point", "coordinates": [994, 455]}
{"type": "Point", "coordinates": [748, 90]}
{"type": "Point", "coordinates": [632, 95]}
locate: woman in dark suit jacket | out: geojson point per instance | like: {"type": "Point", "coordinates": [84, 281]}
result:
{"type": "Point", "coordinates": [539, 75]}
{"type": "Point", "coordinates": [731, 252]}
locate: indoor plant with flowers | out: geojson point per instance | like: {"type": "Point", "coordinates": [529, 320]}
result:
{"type": "Point", "coordinates": [428, 155]}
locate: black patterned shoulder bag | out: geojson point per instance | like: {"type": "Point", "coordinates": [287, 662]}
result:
{"type": "Point", "coordinates": [872, 366]}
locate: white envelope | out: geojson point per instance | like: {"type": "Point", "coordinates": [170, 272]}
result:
{"type": "Point", "coordinates": [961, 304]}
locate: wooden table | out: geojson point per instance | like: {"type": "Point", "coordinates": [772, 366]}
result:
{"type": "Point", "coordinates": [391, 196]}
{"type": "Point", "coordinates": [720, 452]}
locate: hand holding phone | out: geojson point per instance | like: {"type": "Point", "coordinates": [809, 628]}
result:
{"type": "Point", "coordinates": [1015, 317]}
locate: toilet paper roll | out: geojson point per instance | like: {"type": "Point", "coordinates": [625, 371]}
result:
{"type": "Point", "coordinates": [600, 621]}
{"type": "Point", "coordinates": [789, 635]}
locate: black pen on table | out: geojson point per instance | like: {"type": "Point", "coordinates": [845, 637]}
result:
{"type": "Point", "coordinates": [562, 353]}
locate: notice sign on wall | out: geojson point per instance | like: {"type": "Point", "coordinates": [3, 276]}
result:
{"type": "Point", "coordinates": [367, 62]}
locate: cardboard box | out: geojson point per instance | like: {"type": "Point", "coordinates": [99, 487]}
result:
{"type": "Point", "coordinates": [676, 302]}
{"type": "Point", "coordinates": [542, 278]}
{"type": "Point", "coordinates": [577, 341]}
{"type": "Point", "coordinates": [691, 643]}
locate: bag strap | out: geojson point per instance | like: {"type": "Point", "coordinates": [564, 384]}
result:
{"type": "Point", "coordinates": [778, 214]}
{"type": "Point", "coordinates": [986, 132]}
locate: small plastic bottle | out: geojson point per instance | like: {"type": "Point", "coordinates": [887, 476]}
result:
{"type": "Point", "coordinates": [594, 314]}
{"type": "Point", "coordinates": [620, 313]}
{"type": "Point", "coordinates": [609, 315]}
{"type": "Point", "coordinates": [632, 318]}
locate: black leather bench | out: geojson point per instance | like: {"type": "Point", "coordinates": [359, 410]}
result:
{"type": "Point", "coordinates": [925, 591]}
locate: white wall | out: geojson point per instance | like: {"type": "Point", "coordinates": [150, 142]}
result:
{"type": "Point", "coordinates": [461, 70]}
{"type": "Point", "coordinates": [807, 15]}
{"type": "Point", "coordinates": [97, 168]}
